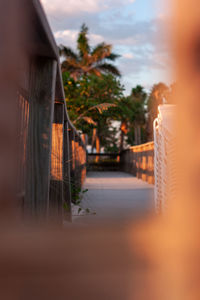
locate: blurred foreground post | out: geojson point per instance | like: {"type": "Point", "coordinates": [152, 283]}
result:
{"type": "Point", "coordinates": [180, 238]}
{"type": "Point", "coordinates": [10, 75]}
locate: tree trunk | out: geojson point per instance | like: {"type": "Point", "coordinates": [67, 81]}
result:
{"type": "Point", "coordinates": [136, 135]}
{"type": "Point", "coordinates": [83, 136]}
{"type": "Point", "coordinates": [139, 135]}
{"type": "Point", "coordinates": [98, 148]}
{"type": "Point", "coordinates": [94, 132]}
{"type": "Point", "coordinates": [121, 147]}
{"type": "Point", "coordinates": [123, 132]}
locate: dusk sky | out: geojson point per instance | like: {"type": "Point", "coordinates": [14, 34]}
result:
{"type": "Point", "coordinates": [135, 28]}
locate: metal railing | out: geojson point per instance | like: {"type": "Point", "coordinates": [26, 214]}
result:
{"type": "Point", "coordinates": [52, 153]}
{"type": "Point", "coordinates": [139, 161]}
{"type": "Point", "coordinates": [103, 161]}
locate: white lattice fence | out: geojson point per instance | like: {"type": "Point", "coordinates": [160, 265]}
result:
{"type": "Point", "coordinates": [164, 157]}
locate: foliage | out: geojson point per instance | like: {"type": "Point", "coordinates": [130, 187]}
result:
{"type": "Point", "coordinates": [88, 100]}
{"type": "Point", "coordinates": [138, 97]}
{"type": "Point", "coordinates": [90, 83]}
{"type": "Point", "coordinates": [77, 193]}
{"type": "Point", "coordinates": [99, 107]}
{"type": "Point", "coordinates": [159, 95]}
{"type": "Point", "coordinates": [111, 141]}
{"type": "Point", "coordinates": [132, 110]}
{"type": "Point", "coordinates": [95, 99]}
{"type": "Point", "coordinates": [88, 60]}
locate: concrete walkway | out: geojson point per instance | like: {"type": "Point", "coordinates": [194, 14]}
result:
{"type": "Point", "coordinates": [115, 196]}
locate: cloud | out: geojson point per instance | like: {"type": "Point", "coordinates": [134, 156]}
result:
{"type": "Point", "coordinates": [76, 7]}
{"type": "Point", "coordinates": [66, 37]}
{"type": "Point", "coordinates": [70, 6]}
{"type": "Point", "coordinates": [69, 37]}
{"type": "Point", "coordinates": [143, 46]}
{"type": "Point", "coordinates": [128, 55]}
{"type": "Point", "coordinates": [142, 43]}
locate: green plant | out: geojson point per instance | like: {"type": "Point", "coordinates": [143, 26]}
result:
{"type": "Point", "coordinates": [77, 194]}
{"type": "Point", "coordinates": [66, 207]}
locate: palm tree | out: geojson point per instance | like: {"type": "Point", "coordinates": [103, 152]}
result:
{"type": "Point", "coordinates": [132, 115]}
{"type": "Point", "coordinates": [138, 96]}
{"type": "Point", "coordinates": [88, 60]}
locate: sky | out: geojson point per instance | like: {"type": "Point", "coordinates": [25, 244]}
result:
{"type": "Point", "coordinates": [135, 28]}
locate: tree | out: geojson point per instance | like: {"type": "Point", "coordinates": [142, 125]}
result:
{"type": "Point", "coordinates": [139, 97]}
{"type": "Point", "coordinates": [88, 60]}
{"type": "Point", "coordinates": [131, 114]}
{"type": "Point", "coordinates": [91, 102]}
{"type": "Point", "coordinates": [159, 95]}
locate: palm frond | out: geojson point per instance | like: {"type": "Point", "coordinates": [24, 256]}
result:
{"type": "Point", "coordinates": [109, 68]}
{"type": "Point", "coordinates": [68, 66]}
{"type": "Point", "coordinates": [72, 67]}
{"type": "Point", "coordinates": [67, 52]}
{"type": "Point", "coordinates": [97, 47]}
{"type": "Point", "coordinates": [83, 41]}
{"type": "Point", "coordinates": [113, 56]}
{"type": "Point", "coordinates": [95, 71]}
{"type": "Point", "coordinates": [101, 51]}
{"type": "Point", "coordinates": [103, 107]}
{"type": "Point", "coordinates": [89, 120]}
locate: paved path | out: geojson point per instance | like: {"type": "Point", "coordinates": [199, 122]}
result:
{"type": "Point", "coordinates": [116, 196]}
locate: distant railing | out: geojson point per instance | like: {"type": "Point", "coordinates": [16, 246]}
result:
{"type": "Point", "coordinates": [139, 161]}
{"type": "Point", "coordinates": [103, 161]}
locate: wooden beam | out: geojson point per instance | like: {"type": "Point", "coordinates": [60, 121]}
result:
{"type": "Point", "coordinates": [44, 27]}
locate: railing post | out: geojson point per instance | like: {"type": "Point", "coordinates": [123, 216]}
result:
{"type": "Point", "coordinates": [72, 161]}
{"type": "Point", "coordinates": [77, 163]}
{"type": "Point", "coordinates": [67, 170]}
{"type": "Point", "coordinates": [97, 148]}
